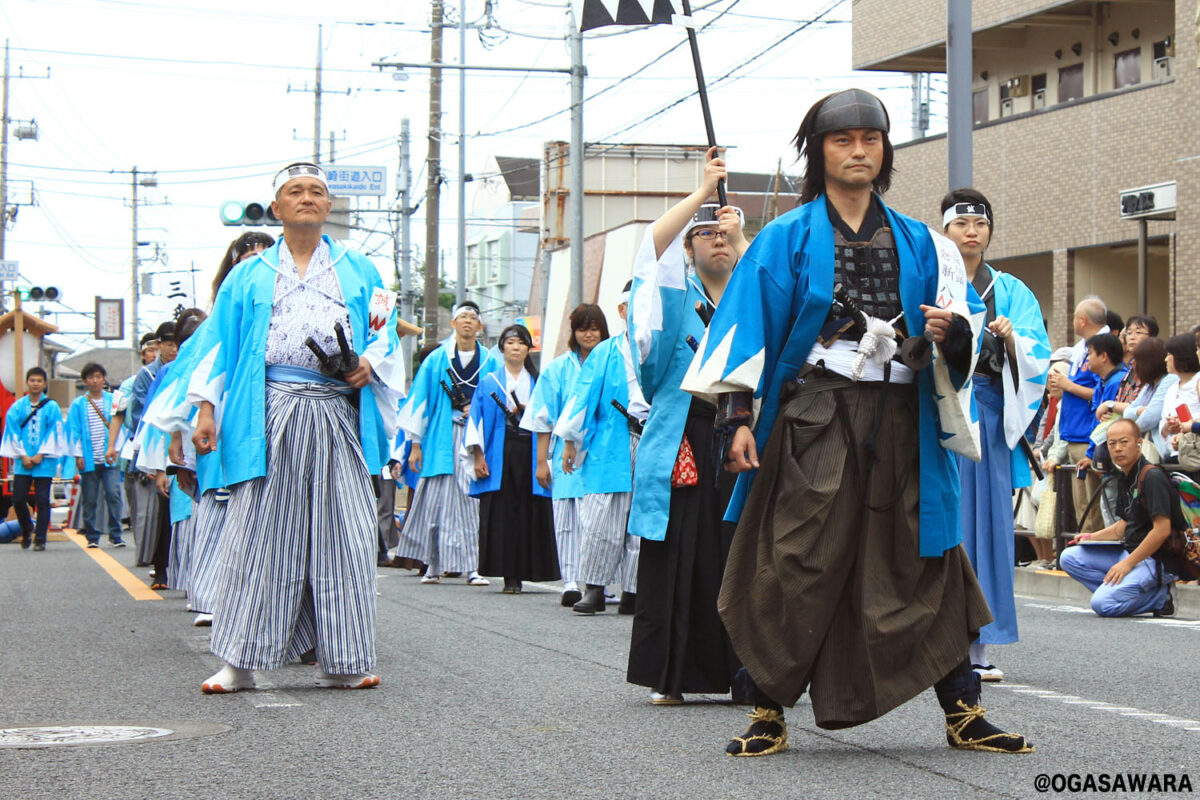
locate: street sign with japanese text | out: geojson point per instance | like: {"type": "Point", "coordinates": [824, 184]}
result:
{"type": "Point", "coordinates": [356, 180]}
{"type": "Point", "coordinates": [110, 319]}
{"type": "Point", "coordinates": [10, 270]}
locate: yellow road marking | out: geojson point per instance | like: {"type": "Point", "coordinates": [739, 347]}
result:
{"type": "Point", "coordinates": [126, 579]}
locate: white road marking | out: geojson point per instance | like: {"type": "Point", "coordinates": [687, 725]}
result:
{"type": "Point", "coordinates": [1125, 711]}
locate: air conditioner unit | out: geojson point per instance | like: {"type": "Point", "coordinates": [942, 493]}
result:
{"type": "Point", "coordinates": [1162, 68]}
{"type": "Point", "coordinates": [1006, 108]}
{"type": "Point", "coordinates": [1039, 99]}
{"type": "Point", "coordinates": [1018, 86]}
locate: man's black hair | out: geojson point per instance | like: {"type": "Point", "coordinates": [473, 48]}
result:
{"type": "Point", "coordinates": [147, 339]}
{"type": "Point", "coordinates": [29, 373]}
{"type": "Point", "coordinates": [468, 304]}
{"type": "Point", "coordinates": [809, 145]}
{"type": "Point", "coordinates": [1107, 344]}
{"type": "Point", "coordinates": [1113, 320]}
{"type": "Point", "coordinates": [1147, 321]}
{"type": "Point", "coordinates": [91, 368]}
{"type": "Point", "coordinates": [165, 332]}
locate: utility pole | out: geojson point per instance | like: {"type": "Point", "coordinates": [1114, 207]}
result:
{"type": "Point", "coordinates": [460, 289]}
{"type": "Point", "coordinates": [434, 172]}
{"type": "Point", "coordinates": [147, 179]}
{"type": "Point", "coordinates": [404, 222]}
{"type": "Point", "coordinates": [576, 150]}
{"type": "Point", "coordinates": [958, 77]}
{"type": "Point", "coordinates": [317, 91]}
{"type": "Point", "coordinates": [23, 132]}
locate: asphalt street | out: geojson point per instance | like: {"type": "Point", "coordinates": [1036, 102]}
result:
{"type": "Point", "coordinates": [486, 695]}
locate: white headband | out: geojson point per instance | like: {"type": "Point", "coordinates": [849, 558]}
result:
{"type": "Point", "coordinates": [623, 299]}
{"type": "Point", "coordinates": [299, 170]}
{"type": "Point", "coordinates": [458, 310]}
{"type": "Point", "coordinates": [966, 210]}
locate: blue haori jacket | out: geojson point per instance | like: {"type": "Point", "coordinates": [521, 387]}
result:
{"type": "Point", "coordinates": [772, 311]}
{"type": "Point", "coordinates": [487, 429]}
{"type": "Point", "coordinates": [1022, 395]}
{"type": "Point", "coordinates": [427, 418]}
{"type": "Point", "coordinates": [662, 315]}
{"type": "Point", "coordinates": [401, 450]}
{"type": "Point", "coordinates": [44, 435]}
{"type": "Point", "coordinates": [225, 363]}
{"type": "Point", "coordinates": [546, 404]}
{"type": "Point", "coordinates": [599, 431]}
{"type": "Point", "coordinates": [79, 433]}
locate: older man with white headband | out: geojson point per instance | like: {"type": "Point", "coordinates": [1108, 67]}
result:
{"type": "Point", "coordinates": [441, 528]}
{"type": "Point", "coordinates": [295, 379]}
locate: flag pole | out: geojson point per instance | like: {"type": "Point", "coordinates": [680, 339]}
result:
{"type": "Point", "coordinates": [703, 91]}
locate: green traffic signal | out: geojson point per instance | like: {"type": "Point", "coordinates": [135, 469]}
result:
{"type": "Point", "coordinates": [238, 212]}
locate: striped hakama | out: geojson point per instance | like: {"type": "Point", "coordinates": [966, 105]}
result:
{"type": "Point", "coordinates": [607, 551]}
{"type": "Point", "coordinates": [300, 571]}
{"type": "Point", "coordinates": [441, 529]}
{"type": "Point", "coordinates": [179, 563]}
{"type": "Point", "coordinates": [568, 538]}
{"type": "Point", "coordinates": [203, 577]}
{"type": "Point", "coordinates": [145, 525]}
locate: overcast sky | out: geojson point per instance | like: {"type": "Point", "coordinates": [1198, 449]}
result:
{"type": "Point", "coordinates": [212, 95]}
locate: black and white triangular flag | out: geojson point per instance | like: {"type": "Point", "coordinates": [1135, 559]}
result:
{"type": "Point", "coordinates": [598, 13]}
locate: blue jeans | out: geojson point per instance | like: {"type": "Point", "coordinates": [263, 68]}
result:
{"type": "Point", "coordinates": [1137, 593]}
{"type": "Point", "coordinates": [108, 479]}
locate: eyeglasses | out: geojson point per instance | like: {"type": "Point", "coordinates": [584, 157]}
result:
{"type": "Point", "coordinates": [709, 233]}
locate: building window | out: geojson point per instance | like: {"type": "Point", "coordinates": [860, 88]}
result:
{"type": "Point", "coordinates": [1070, 83]}
{"type": "Point", "coordinates": [979, 104]}
{"type": "Point", "coordinates": [1164, 53]}
{"type": "Point", "coordinates": [1038, 87]}
{"type": "Point", "coordinates": [1127, 68]}
{"type": "Point", "coordinates": [1006, 103]}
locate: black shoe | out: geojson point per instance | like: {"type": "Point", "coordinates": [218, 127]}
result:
{"type": "Point", "coordinates": [592, 602]}
{"type": "Point", "coordinates": [1167, 609]}
{"type": "Point", "coordinates": [511, 586]}
{"type": "Point", "coordinates": [309, 657]}
{"type": "Point", "coordinates": [25, 542]}
{"type": "Point", "coordinates": [570, 597]}
{"type": "Point", "coordinates": [39, 546]}
{"type": "Point", "coordinates": [766, 735]}
{"type": "Point", "coordinates": [628, 603]}
{"type": "Point", "coordinates": [966, 729]}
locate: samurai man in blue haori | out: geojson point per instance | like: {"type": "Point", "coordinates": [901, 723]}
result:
{"type": "Point", "coordinates": [294, 379]}
{"type": "Point", "coordinates": [846, 577]}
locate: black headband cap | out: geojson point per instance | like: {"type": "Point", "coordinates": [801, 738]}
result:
{"type": "Point", "coordinates": [852, 108]}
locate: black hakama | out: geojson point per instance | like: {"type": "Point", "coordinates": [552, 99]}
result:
{"type": "Point", "coordinates": [516, 527]}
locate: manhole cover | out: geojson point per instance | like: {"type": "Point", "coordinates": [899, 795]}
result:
{"type": "Point", "coordinates": [38, 736]}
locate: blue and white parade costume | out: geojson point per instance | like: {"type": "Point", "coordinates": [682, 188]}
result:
{"type": "Point", "coordinates": [441, 528]}
{"type": "Point", "coordinates": [1006, 407]}
{"type": "Point", "coordinates": [846, 577]}
{"type": "Point", "coordinates": [33, 431]}
{"type": "Point", "coordinates": [296, 452]}
{"type": "Point", "coordinates": [606, 453]}
{"type": "Point", "coordinates": [549, 398]}
{"type": "Point", "coordinates": [516, 524]}
{"type": "Point", "coordinates": [87, 438]}
{"type": "Point", "coordinates": [678, 643]}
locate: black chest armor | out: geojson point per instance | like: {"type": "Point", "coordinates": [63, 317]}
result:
{"type": "Point", "coordinates": [869, 272]}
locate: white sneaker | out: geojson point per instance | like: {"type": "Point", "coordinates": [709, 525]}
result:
{"type": "Point", "coordinates": [475, 579]}
{"type": "Point", "coordinates": [361, 680]}
{"type": "Point", "coordinates": [229, 679]}
{"type": "Point", "coordinates": [660, 699]}
{"type": "Point", "coordinates": [203, 621]}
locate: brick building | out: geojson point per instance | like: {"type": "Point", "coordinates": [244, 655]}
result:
{"type": "Point", "coordinates": [1075, 102]}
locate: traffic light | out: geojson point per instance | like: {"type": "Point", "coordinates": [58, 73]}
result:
{"type": "Point", "coordinates": [44, 294]}
{"type": "Point", "coordinates": [238, 212]}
